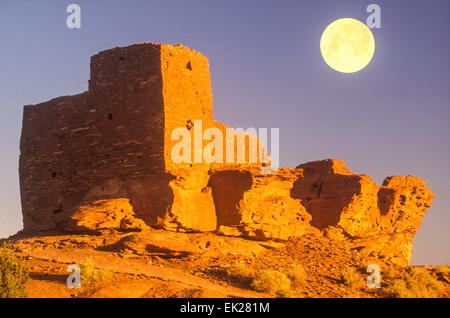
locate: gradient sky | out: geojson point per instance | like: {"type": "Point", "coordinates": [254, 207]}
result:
{"type": "Point", "coordinates": [393, 117]}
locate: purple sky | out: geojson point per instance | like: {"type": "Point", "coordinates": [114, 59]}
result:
{"type": "Point", "coordinates": [393, 117]}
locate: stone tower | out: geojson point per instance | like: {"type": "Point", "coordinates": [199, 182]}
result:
{"type": "Point", "coordinates": [115, 139]}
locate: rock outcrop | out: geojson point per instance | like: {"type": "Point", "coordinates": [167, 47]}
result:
{"type": "Point", "coordinates": [103, 160]}
{"type": "Point", "coordinates": [378, 221]}
{"type": "Point", "coordinates": [324, 197]}
{"type": "Point", "coordinates": [116, 214]}
{"type": "Point", "coordinates": [259, 205]}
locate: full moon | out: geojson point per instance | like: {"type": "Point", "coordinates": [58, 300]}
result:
{"type": "Point", "coordinates": [347, 45]}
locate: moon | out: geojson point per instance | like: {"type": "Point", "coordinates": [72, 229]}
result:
{"type": "Point", "coordinates": [347, 45]}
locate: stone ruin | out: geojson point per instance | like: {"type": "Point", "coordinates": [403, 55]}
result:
{"type": "Point", "coordinates": [102, 160]}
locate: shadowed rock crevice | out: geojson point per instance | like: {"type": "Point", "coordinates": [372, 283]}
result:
{"type": "Point", "coordinates": [386, 199]}
{"type": "Point", "coordinates": [228, 188]}
{"type": "Point", "coordinates": [151, 197]}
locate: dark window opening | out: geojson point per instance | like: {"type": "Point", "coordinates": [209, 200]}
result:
{"type": "Point", "coordinates": [121, 58]}
{"type": "Point", "coordinates": [110, 116]}
{"type": "Point", "coordinates": [59, 210]}
{"type": "Point", "coordinates": [53, 174]}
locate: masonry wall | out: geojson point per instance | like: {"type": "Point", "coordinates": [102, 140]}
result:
{"type": "Point", "coordinates": [53, 143]}
{"type": "Point", "coordinates": [188, 97]}
{"type": "Point", "coordinates": [103, 143]}
{"type": "Point", "coordinates": [187, 94]}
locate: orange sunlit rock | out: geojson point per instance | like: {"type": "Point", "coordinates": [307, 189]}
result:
{"type": "Point", "coordinates": [101, 160]}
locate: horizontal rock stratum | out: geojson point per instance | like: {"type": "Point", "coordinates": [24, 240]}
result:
{"type": "Point", "coordinates": [102, 160]}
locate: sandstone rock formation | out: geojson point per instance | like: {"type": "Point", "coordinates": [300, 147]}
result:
{"type": "Point", "coordinates": [324, 197]}
{"type": "Point", "coordinates": [259, 205]}
{"type": "Point", "coordinates": [102, 160]}
{"type": "Point", "coordinates": [115, 214]}
{"type": "Point", "coordinates": [379, 222]}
